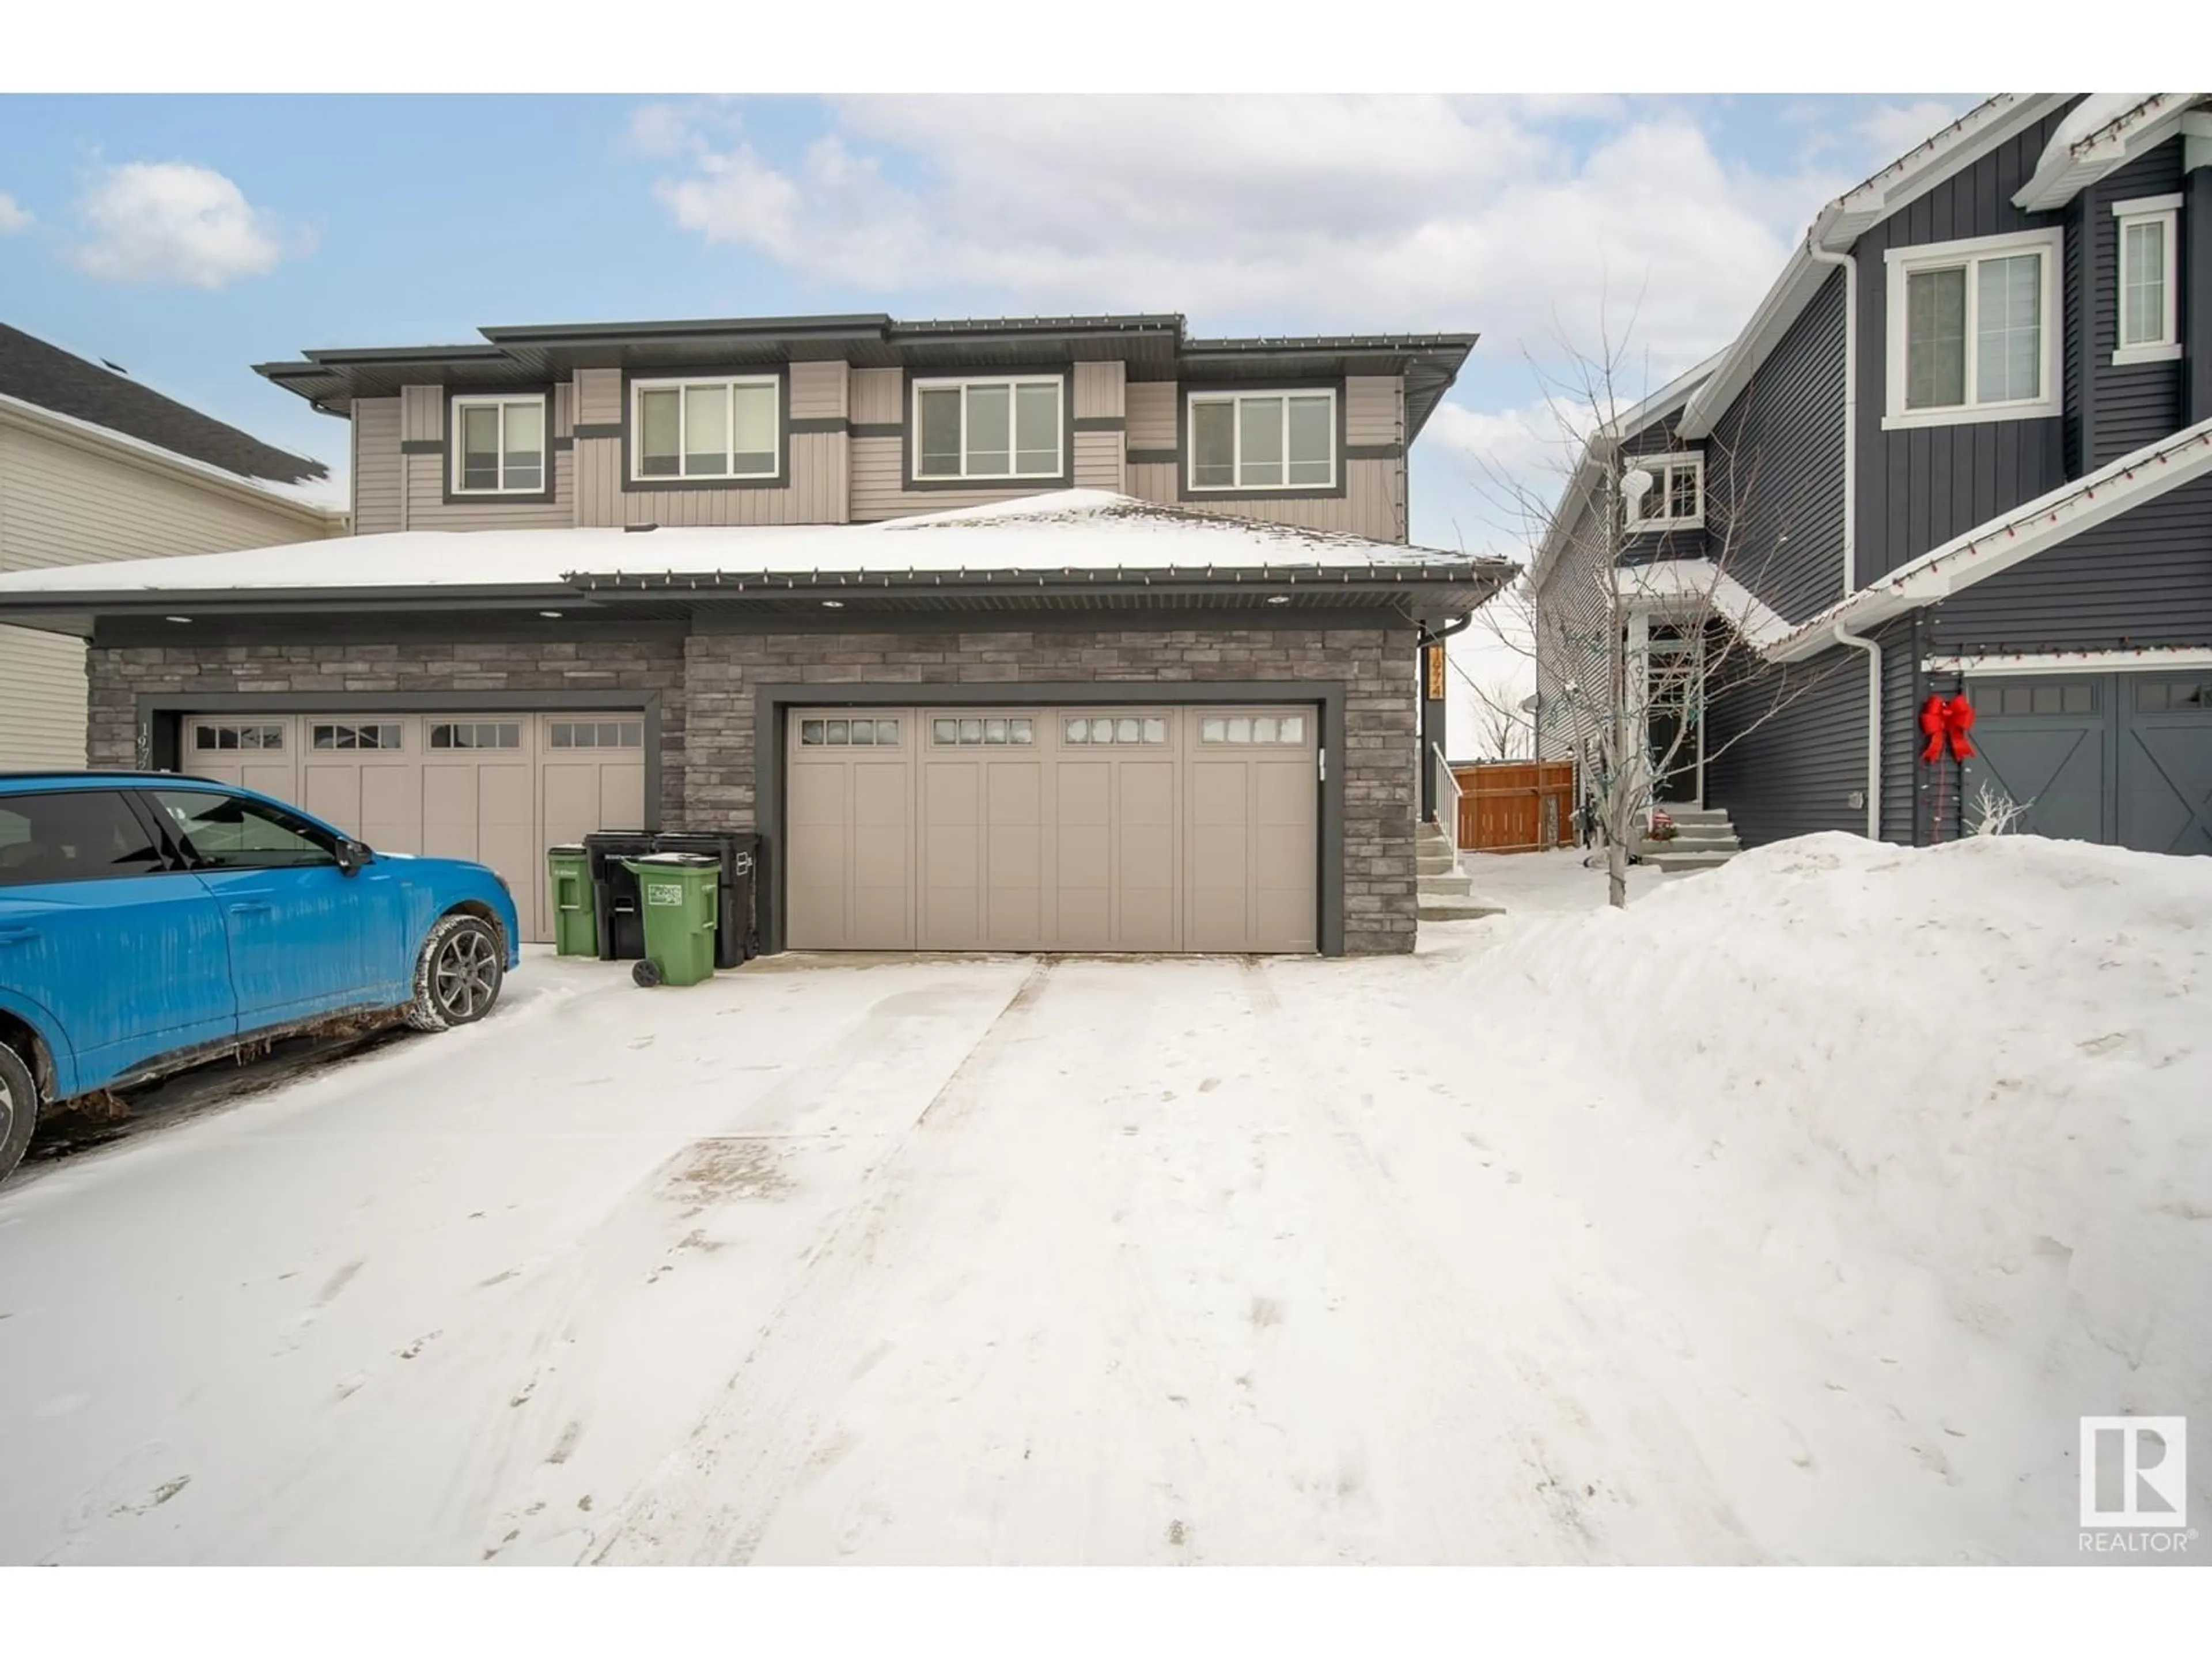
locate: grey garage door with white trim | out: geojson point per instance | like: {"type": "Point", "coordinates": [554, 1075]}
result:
{"type": "Point", "coordinates": [2123, 759]}
{"type": "Point", "coordinates": [499, 788]}
{"type": "Point", "coordinates": [1023, 828]}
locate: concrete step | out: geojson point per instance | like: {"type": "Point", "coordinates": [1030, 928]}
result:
{"type": "Point", "coordinates": [1686, 860]}
{"type": "Point", "coordinates": [1698, 838]}
{"type": "Point", "coordinates": [1439, 907]}
{"type": "Point", "coordinates": [1455, 885]}
{"type": "Point", "coordinates": [1697, 814]}
{"type": "Point", "coordinates": [1432, 864]}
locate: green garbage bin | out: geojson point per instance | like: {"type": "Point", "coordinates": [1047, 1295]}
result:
{"type": "Point", "coordinates": [681, 895]}
{"type": "Point", "coordinates": [575, 920]}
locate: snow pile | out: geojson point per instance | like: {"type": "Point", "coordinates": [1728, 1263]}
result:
{"type": "Point", "coordinates": [1977, 1074]}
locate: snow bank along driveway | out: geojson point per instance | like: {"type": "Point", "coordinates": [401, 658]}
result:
{"type": "Point", "coordinates": [1882, 1168]}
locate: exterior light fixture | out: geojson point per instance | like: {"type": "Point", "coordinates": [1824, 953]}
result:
{"type": "Point", "coordinates": [176, 619]}
{"type": "Point", "coordinates": [554, 616]}
{"type": "Point", "coordinates": [1278, 599]}
{"type": "Point", "coordinates": [833, 604]}
{"type": "Point", "coordinates": [1636, 483]}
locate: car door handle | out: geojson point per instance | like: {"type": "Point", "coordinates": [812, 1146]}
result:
{"type": "Point", "coordinates": [17, 935]}
{"type": "Point", "coordinates": [253, 909]}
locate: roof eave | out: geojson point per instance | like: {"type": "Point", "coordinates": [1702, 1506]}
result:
{"type": "Point", "coordinates": [2059, 178]}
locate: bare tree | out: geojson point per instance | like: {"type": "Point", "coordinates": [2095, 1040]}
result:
{"type": "Point", "coordinates": [1635, 635]}
{"type": "Point", "coordinates": [1503, 729]}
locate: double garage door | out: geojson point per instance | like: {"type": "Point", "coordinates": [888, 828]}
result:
{"type": "Point", "coordinates": [2124, 759]}
{"type": "Point", "coordinates": [1058, 828]}
{"type": "Point", "coordinates": [497, 788]}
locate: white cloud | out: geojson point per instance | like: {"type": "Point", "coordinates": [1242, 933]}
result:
{"type": "Point", "coordinates": [1349, 213]}
{"type": "Point", "coordinates": [14, 217]}
{"type": "Point", "coordinates": [171, 222]}
{"type": "Point", "coordinates": [1891, 130]}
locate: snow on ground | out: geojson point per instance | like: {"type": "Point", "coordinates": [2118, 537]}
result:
{"type": "Point", "coordinates": [1795, 1212]}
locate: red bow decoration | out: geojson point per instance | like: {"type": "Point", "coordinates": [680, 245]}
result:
{"type": "Point", "coordinates": [1952, 719]}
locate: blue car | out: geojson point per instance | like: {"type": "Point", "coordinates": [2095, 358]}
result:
{"type": "Point", "coordinates": [150, 923]}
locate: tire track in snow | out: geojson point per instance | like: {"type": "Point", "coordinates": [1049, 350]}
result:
{"type": "Point", "coordinates": [712, 1500]}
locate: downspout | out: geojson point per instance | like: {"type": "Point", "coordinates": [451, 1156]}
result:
{"type": "Point", "coordinates": [1843, 635]}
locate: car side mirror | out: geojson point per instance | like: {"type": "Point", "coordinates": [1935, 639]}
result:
{"type": "Point", "coordinates": [352, 855]}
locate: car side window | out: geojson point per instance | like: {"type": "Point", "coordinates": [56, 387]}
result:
{"type": "Point", "coordinates": [72, 834]}
{"type": "Point", "coordinates": [228, 832]}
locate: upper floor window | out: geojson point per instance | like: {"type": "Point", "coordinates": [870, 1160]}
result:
{"type": "Point", "coordinates": [501, 448]}
{"type": "Point", "coordinates": [1676, 500]}
{"type": "Point", "coordinates": [987, 429]}
{"type": "Point", "coordinates": [1263, 440]}
{"type": "Point", "coordinates": [2149, 330]}
{"type": "Point", "coordinates": [1973, 332]}
{"type": "Point", "coordinates": [718, 428]}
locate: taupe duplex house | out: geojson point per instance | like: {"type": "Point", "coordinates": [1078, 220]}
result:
{"type": "Point", "coordinates": [1040, 634]}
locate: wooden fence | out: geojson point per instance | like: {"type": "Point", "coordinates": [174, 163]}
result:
{"type": "Point", "coordinates": [1515, 806]}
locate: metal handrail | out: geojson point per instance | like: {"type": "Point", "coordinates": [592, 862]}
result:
{"type": "Point", "coordinates": [1446, 782]}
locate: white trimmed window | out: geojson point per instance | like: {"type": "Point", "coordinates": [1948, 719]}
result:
{"type": "Point", "coordinates": [1973, 330]}
{"type": "Point", "coordinates": [2149, 330]}
{"type": "Point", "coordinates": [725, 427]}
{"type": "Point", "coordinates": [1676, 500]}
{"type": "Point", "coordinates": [1263, 440]}
{"type": "Point", "coordinates": [499, 446]}
{"type": "Point", "coordinates": [988, 429]}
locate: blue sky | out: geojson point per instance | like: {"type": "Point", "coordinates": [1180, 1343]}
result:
{"type": "Point", "coordinates": [186, 238]}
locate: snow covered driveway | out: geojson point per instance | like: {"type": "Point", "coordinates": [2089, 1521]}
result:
{"type": "Point", "coordinates": [1007, 1260]}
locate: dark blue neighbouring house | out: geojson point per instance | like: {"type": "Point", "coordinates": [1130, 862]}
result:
{"type": "Point", "coordinates": [1964, 444]}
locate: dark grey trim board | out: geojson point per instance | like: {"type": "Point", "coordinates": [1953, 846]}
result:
{"type": "Point", "coordinates": [1101, 423]}
{"type": "Point", "coordinates": [877, 428]}
{"type": "Point", "coordinates": [598, 429]}
{"type": "Point", "coordinates": [1064, 479]}
{"type": "Point", "coordinates": [1188, 389]}
{"type": "Point", "coordinates": [822, 424]}
{"type": "Point", "coordinates": [1150, 456]}
{"type": "Point", "coordinates": [158, 722]}
{"type": "Point", "coordinates": [447, 397]}
{"type": "Point", "coordinates": [772, 700]}
{"type": "Point", "coordinates": [781, 373]}
{"type": "Point", "coordinates": [423, 446]}
{"type": "Point", "coordinates": [1374, 451]}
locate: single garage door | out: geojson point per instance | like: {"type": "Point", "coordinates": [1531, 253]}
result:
{"type": "Point", "coordinates": [1028, 829]}
{"type": "Point", "coordinates": [497, 788]}
{"type": "Point", "coordinates": [2124, 759]}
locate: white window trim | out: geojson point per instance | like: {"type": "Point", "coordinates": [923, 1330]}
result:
{"type": "Point", "coordinates": [2166, 210]}
{"type": "Point", "coordinates": [1639, 526]}
{"type": "Point", "coordinates": [945, 382]}
{"type": "Point", "coordinates": [502, 402]}
{"type": "Point", "coordinates": [1231, 395]}
{"type": "Point", "coordinates": [679, 383]}
{"type": "Point", "coordinates": [1902, 262]}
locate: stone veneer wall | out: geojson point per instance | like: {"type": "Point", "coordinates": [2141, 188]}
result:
{"type": "Point", "coordinates": [707, 682]}
{"type": "Point", "coordinates": [1377, 665]}
{"type": "Point", "coordinates": [119, 673]}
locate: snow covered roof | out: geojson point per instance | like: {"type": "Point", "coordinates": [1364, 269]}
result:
{"type": "Point", "coordinates": [326, 496]}
{"type": "Point", "coordinates": [105, 398]}
{"type": "Point", "coordinates": [1998, 543]}
{"type": "Point", "coordinates": [2104, 130]}
{"type": "Point", "coordinates": [1704, 584]}
{"type": "Point", "coordinates": [1084, 533]}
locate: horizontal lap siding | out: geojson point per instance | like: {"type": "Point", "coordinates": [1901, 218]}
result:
{"type": "Point", "coordinates": [1787, 745]}
{"type": "Point", "coordinates": [63, 504]}
{"type": "Point", "coordinates": [1151, 414]}
{"type": "Point", "coordinates": [1919, 487]}
{"type": "Point", "coordinates": [2143, 578]}
{"type": "Point", "coordinates": [1098, 461]}
{"type": "Point", "coordinates": [2137, 403]}
{"type": "Point", "coordinates": [1774, 469]}
{"type": "Point", "coordinates": [876, 394]}
{"type": "Point", "coordinates": [376, 469]}
{"type": "Point", "coordinates": [879, 485]}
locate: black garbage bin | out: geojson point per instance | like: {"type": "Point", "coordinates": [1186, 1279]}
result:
{"type": "Point", "coordinates": [614, 890]}
{"type": "Point", "coordinates": [738, 939]}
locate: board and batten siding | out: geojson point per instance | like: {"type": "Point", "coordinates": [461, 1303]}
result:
{"type": "Point", "coordinates": [2128, 405]}
{"type": "Point", "coordinates": [879, 488]}
{"type": "Point", "coordinates": [68, 501]}
{"type": "Point", "coordinates": [1918, 488]}
{"type": "Point", "coordinates": [1774, 468]}
{"type": "Point", "coordinates": [422, 495]}
{"type": "Point", "coordinates": [376, 466]}
{"type": "Point", "coordinates": [1098, 463]}
{"type": "Point", "coordinates": [1152, 416]}
{"type": "Point", "coordinates": [2142, 578]}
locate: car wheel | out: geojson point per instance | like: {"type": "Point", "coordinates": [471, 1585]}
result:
{"type": "Point", "coordinates": [19, 1109]}
{"type": "Point", "coordinates": [458, 976]}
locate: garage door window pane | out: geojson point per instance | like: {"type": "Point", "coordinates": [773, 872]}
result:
{"type": "Point", "coordinates": [1076, 731]}
{"type": "Point", "coordinates": [2080, 698]}
{"type": "Point", "coordinates": [863, 732]}
{"type": "Point", "coordinates": [1156, 730]}
{"type": "Point", "coordinates": [971, 731]}
{"type": "Point", "coordinates": [1240, 728]}
{"type": "Point", "coordinates": [810, 733]}
{"type": "Point", "coordinates": [945, 731]}
{"type": "Point", "coordinates": [1212, 729]}
{"type": "Point", "coordinates": [2047, 700]}
{"type": "Point", "coordinates": [994, 730]}
{"type": "Point", "coordinates": [1102, 730]}
{"type": "Point", "coordinates": [840, 731]}
{"type": "Point", "coordinates": [1292, 729]}
{"type": "Point", "coordinates": [1263, 729]}
{"type": "Point", "coordinates": [886, 732]}
{"type": "Point", "coordinates": [1020, 731]}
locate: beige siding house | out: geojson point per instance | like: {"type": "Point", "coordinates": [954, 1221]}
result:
{"type": "Point", "coordinates": [74, 490]}
{"type": "Point", "coordinates": [1151, 687]}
